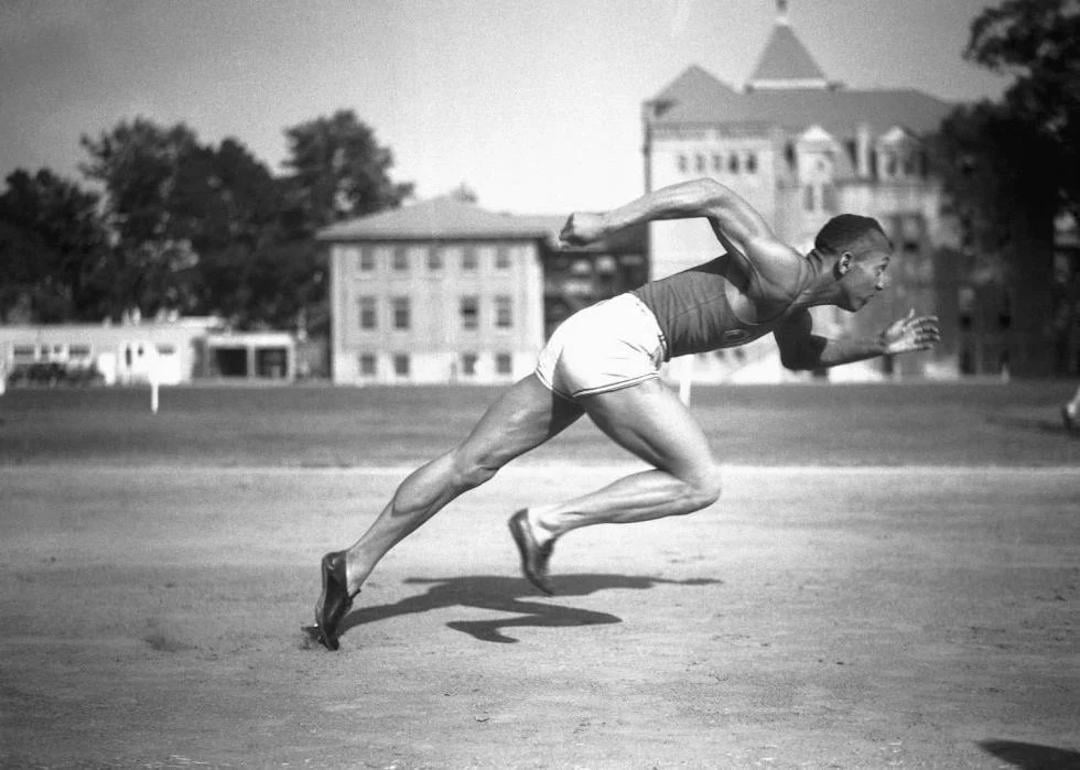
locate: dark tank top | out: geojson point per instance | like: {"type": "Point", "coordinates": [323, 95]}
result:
{"type": "Point", "coordinates": [694, 313]}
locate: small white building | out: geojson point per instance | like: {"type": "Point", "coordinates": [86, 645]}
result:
{"type": "Point", "coordinates": [172, 352]}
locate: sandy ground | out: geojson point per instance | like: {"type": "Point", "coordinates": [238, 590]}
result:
{"type": "Point", "coordinates": [833, 618]}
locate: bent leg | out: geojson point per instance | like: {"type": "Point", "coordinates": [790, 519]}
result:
{"type": "Point", "coordinates": [524, 417]}
{"type": "Point", "coordinates": [650, 421]}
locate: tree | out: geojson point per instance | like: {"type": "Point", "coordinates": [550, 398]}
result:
{"type": "Point", "coordinates": [339, 171]}
{"type": "Point", "coordinates": [54, 252]}
{"type": "Point", "coordinates": [1038, 42]}
{"type": "Point", "coordinates": [1011, 166]}
{"type": "Point", "coordinates": [141, 165]}
{"type": "Point", "coordinates": [196, 224]}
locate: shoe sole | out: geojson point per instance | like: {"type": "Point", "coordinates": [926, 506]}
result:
{"type": "Point", "coordinates": [526, 545]}
{"type": "Point", "coordinates": [318, 632]}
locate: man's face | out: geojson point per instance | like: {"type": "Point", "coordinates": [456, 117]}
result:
{"type": "Point", "coordinates": [866, 275]}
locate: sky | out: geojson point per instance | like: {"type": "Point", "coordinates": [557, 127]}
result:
{"type": "Point", "coordinates": [533, 104]}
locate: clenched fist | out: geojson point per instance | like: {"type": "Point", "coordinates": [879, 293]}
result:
{"type": "Point", "coordinates": [582, 228]}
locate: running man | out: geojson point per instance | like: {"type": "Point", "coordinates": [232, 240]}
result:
{"type": "Point", "coordinates": [604, 361]}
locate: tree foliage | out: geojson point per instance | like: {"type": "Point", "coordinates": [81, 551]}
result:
{"type": "Point", "coordinates": [187, 226]}
{"type": "Point", "coordinates": [339, 170]}
{"type": "Point", "coordinates": [1011, 166]}
{"type": "Point", "coordinates": [53, 250]}
{"type": "Point", "coordinates": [1038, 43]}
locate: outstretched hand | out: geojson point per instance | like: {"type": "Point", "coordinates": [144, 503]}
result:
{"type": "Point", "coordinates": [911, 333]}
{"type": "Point", "coordinates": [581, 228]}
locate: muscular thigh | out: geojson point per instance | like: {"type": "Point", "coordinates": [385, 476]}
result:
{"type": "Point", "coordinates": [525, 416]}
{"type": "Point", "coordinates": [650, 421]}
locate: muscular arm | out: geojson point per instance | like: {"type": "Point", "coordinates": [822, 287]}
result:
{"type": "Point", "coordinates": [738, 226]}
{"type": "Point", "coordinates": [706, 198]}
{"type": "Point", "coordinates": [801, 348]}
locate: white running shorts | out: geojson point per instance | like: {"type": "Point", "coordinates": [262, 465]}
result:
{"type": "Point", "coordinates": [611, 345]}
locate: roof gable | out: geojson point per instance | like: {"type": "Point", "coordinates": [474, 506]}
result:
{"type": "Point", "coordinates": [443, 217]}
{"type": "Point", "coordinates": [785, 62]}
{"type": "Point", "coordinates": [691, 91]}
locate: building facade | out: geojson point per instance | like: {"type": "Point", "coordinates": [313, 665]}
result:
{"type": "Point", "coordinates": [801, 149]}
{"type": "Point", "coordinates": [439, 291]}
{"type": "Point", "coordinates": [443, 291]}
{"type": "Point", "coordinates": [167, 352]}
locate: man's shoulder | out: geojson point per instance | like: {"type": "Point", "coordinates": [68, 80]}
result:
{"type": "Point", "coordinates": [779, 267]}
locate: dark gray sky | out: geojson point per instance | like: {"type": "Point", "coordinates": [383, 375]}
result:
{"type": "Point", "coordinates": [535, 104]}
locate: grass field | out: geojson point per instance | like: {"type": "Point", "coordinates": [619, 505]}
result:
{"type": "Point", "coordinates": [891, 579]}
{"type": "Point", "coordinates": [927, 424]}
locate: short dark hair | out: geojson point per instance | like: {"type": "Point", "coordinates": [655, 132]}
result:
{"type": "Point", "coordinates": [844, 231]}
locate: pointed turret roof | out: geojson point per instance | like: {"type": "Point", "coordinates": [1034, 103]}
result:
{"type": "Point", "coordinates": [785, 62]}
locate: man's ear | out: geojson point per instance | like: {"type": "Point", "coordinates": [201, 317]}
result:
{"type": "Point", "coordinates": [844, 264]}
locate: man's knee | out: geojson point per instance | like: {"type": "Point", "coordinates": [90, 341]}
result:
{"type": "Point", "coordinates": [472, 471]}
{"type": "Point", "coordinates": [707, 487]}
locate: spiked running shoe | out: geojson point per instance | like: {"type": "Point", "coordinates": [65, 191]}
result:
{"type": "Point", "coordinates": [334, 602]}
{"type": "Point", "coordinates": [534, 557]}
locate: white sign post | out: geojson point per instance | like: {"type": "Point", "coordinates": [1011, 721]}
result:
{"type": "Point", "coordinates": [155, 377]}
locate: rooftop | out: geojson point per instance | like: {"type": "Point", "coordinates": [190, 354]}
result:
{"type": "Point", "coordinates": [443, 217]}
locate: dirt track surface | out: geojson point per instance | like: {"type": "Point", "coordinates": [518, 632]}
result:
{"type": "Point", "coordinates": [846, 618]}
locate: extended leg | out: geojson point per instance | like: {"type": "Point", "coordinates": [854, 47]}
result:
{"type": "Point", "coordinates": [525, 416]}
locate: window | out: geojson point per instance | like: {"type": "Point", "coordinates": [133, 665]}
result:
{"type": "Point", "coordinates": [470, 312]}
{"type": "Point", "coordinates": [435, 259]}
{"type": "Point", "coordinates": [368, 313]}
{"type": "Point", "coordinates": [368, 365]}
{"type": "Point", "coordinates": [83, 351]}
{"type": "Point", "coordinates": [683, 164]}
{"type": "Point", "coordinates": [751, 163]}
{"type": "Point", "coordinates": [402, 313]}
{"type": "Point", "coordinates": [503, 363]}
{"type": "Point", "coordinates": [468, 364]}
{"type": "Point", "coordinates": [468, 259]}
{"type": "Point", "coordinates": [367, 259]}
{"type": "Point", "coordinates": [502, 259]}
{"type": "Point", "coordinates": [699, 164]}
{"type": "Point", "coordinates": [828, 197]}
{"type": "Point", "coordinates": [733, 164]}
{"type": "Point", "coordinates": [383, 256]}
{"type": "Point", "coordinates": [166, 349]}
{"type": "Point", "coordinates": [23, 352]}
{"type": "Point", "coordinates": [504, 317]}
{"type": "Point", "coordinates": [889, 171]}
{"type": "Point", "coordinates": [718, 163]}
{"type": "Point", "coordinates": [401, 259]}
{"type": "Point", "coordinates": [401, 364]}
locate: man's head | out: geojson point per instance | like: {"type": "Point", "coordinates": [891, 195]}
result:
{"type": "Point", "coordinates": [860, 252]}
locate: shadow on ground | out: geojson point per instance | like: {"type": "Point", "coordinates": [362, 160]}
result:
{"type": "Point", "coordinates": [1033, 425]}
{"type": "Point", "coordinates": [1032, 756]}
{"type": "Point", "coordinates": [503, 594]}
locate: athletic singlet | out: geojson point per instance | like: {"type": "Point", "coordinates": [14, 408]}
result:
{"type": "Point", "coordinates": [694, 313]}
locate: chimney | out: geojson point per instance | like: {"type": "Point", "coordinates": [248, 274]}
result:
{"type": "Point", "coordinates": [862, 151]}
